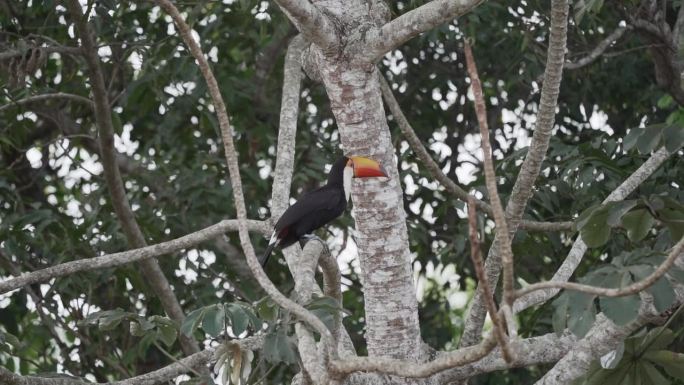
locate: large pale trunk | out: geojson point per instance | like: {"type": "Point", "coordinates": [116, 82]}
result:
{"type": "Point", "coordinates": [391, 314]}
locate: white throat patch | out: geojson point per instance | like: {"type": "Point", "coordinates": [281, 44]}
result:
{"type": "Point", "coordinates": [347, 182]}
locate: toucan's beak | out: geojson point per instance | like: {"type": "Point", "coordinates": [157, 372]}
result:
{"type": "Point", "coordinates": [367, 168]}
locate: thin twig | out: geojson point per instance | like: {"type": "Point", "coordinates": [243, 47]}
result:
{"type": "Point", "coordinates": [598, 50]}
{"type": "Point", "coordinates": [634, 288]}
{"type": "Point", "coordinates": [43, 97]}
{"type": "Point", "coordinates": [478, 263]}
{"type": "Point", "coordinates": [412, 369]}
{"type": "Point", "coordinates": [433, 168]}
{"type": "Point", "coordinates": [490, 177]}
{"type": "Point", "coordinates": [578, 249]}
{"type": "Point", "coordinates": [531, 167]}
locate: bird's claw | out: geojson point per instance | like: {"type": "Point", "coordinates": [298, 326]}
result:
{"type": "Point", "coordinates": [311, 237]}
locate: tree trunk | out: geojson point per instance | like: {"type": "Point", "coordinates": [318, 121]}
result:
{"type": "Point", "coordinates": [391, 309]}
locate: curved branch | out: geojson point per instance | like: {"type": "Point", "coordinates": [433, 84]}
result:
{"type": "Point", "coordinates": [433, 168]}
{"type": "Point", "coordinates": [476, 257]}
{"type": "Point", "coordinates": [236, 182]}
{"type": "Point", "coordinates": [490, 179]}
{"type": "Point", "coordinates": [547, 348]}
{"type": "Point", "coordinates": [578, 249]}
{"type": "Point", "coordinates": [522, 189]}
{"type": "Point", "coordinates": [289, 112]}
{"type": "Point", "coordinates": [48, 49]}
{"type": "Point", "coordinates": [601, 339]}
{"type": "Point", "coordinates": [311, 22]}
{"type": "Point", "coordinates": [412, 369]}
{"type": "Point", "coordinates": [126, 257]}
{"type": "Point", "coordinates": [150, 268]}
{"type": "Point", "coordinates": [414, 22]}
{"type": "Point", "coordinates": [56, 95]}
{"type": "Point", "coordinates": [606, 292]}
{"type": "Point", "coordinates": [598, 50]}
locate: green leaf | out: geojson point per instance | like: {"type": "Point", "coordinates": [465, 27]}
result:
{"type": "Point", "coordinates": [267, 309]}
{"type": "Point", "coordinates": [620, 310]}
{"type": "Point", "coordinates": [145, 325]}
{"type": "Point", "coordinates": [239, 319]}
{"type": "Point", "coordinates": [582, 312]}
{"type": "Point", "coordinates": [656, 339]}
{"type": "Point", "coordinates": [673, 136]}
{"type": "Point", "coordinates": [596, 232]}
{"type": "Point", "coordinates": [672, 362]}
{"type": "Point", "coordinates": [326, 309]}
{"type": "Point", "coordinates": [650, 375]}
{"type": "Point", "coordinates": [674, 220]}
{"type": "Point", "coordinates": [637, 223]}
{"type": "Point", "coordinates": [663, 294]}
{"type": "Point", "coordinates": [168, 334]}
{"type": "Point", "coordinates": [279, 348]}
{"type": "Point", "coordinates": [191, 321]}
{"type": "Point", "coordinates": [560, 313]}
{"type": "Point", "coordinates": [135, 329]}
{"type": "Point", "coordinates": [617, 209]}
{"type": "Point", "coordinates": [214, 320]}
{"type": "Point", "coordinates": [583, 218]}
{"type": "Point", "coordinates": [630, 140]}
{"type": "Point", "coordinates": [665, 101]}
{"type": "Point", "coordinates": [650, 138]}
{"type": "Point", "coordinates": [676, 273]}
{"type": "Point", "coordinates": [107, 319]}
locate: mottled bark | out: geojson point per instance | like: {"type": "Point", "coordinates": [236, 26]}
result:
{"type": "Point", "coordinates": [391, 309]}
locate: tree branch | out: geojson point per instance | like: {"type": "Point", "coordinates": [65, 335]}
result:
{"type": "Point", "coordinates": [522, 189]}
{"type": "Point", "coordinates": [433, 168]}
{"type": "Point", "coordinates": [412, 369]}
{"type": "Point", "coordinates": [149, 267]}
{"type": "Point", "coordinates": [476, 257]}
{"type": "Point", "coordinates": [312, 23]}
{"type": "Point", "coordinates": [236, 182]}
{"type": "Point", "coordinates": [129, 256]}
{"type": "Point", "coordinates": [601, 339]}
{"type": "Point", "coordinates": [490, 178]}
{"type": "Point", "coordinates": [578, 249]}
{"type": "Point", "coordinates": [48, 49]}
{"type": "Point", "coordinates": [606, 292]}
{"type": "Point", "coordinates": [43, 97]}
{"type": "Point", "coordinates": [287, 132]}
{"type": "Point", "coordinates": [598, 50]}
{"type": "Point", "coordinates": [414, 22]}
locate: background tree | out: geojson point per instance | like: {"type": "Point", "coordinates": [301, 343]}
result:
{"type": "Point", "coordinates": [112, 140]}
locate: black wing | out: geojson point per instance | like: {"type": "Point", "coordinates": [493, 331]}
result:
{"type": "Point", "coordinates": [312, 211]}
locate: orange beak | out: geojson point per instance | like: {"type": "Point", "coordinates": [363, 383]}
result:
{"type": "Point", "coordinates": [367, 168]}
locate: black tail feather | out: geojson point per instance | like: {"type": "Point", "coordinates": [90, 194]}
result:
{"type": "Point", "coordinates": [267, 253]}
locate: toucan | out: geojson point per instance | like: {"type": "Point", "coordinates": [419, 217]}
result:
{"type": "Point", "coordinates": [318, 207]}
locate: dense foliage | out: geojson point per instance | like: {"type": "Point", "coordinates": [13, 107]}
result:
{"type": "Point", "coordinates": [55, 207]}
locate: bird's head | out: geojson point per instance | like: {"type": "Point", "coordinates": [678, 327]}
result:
{"type": "Point", "coordinates": [364, 167]}
{"type": "Point", "coordinates": [359, 167]}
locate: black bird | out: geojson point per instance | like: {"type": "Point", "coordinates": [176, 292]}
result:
{"type": "Point", "coordinates": [318, 207]}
